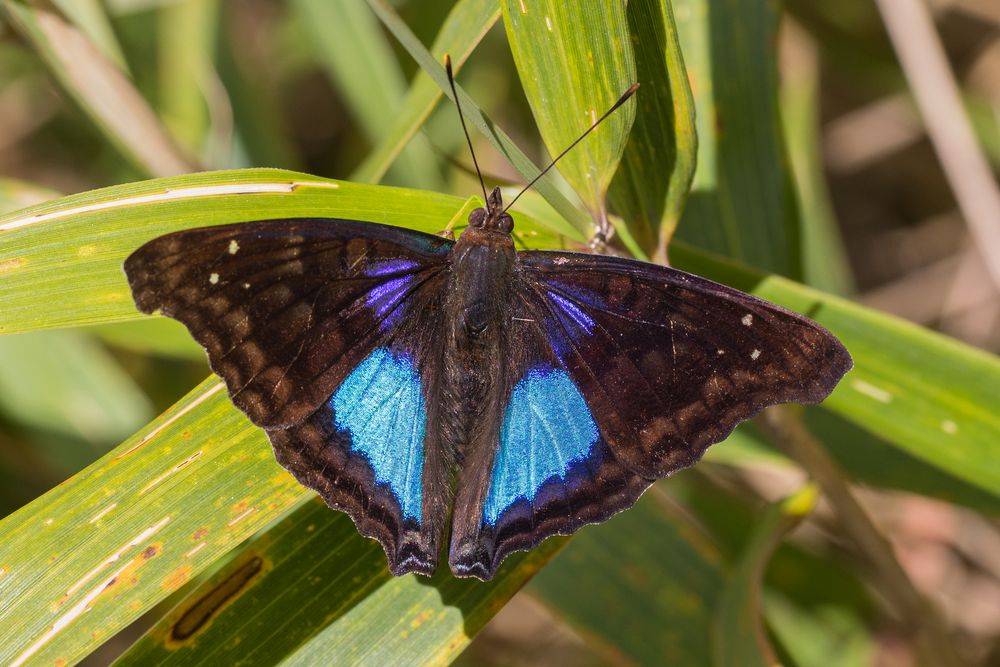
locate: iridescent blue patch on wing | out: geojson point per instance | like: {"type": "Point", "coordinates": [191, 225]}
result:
{"type": "Point", "coordinates": [381, 406]}
{"type": "Point", "coordinates": [546, 430]}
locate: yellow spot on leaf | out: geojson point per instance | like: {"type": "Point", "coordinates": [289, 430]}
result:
{"type": "Point", "coordinates": [12, 264]}
{"type": "Point", "coordinates": [177, 578]}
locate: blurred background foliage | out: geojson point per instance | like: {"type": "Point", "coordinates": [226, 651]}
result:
{"type": "Point", "coordinates": [814, 162]}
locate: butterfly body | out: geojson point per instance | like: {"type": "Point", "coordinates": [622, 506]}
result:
{"type": "Point", "coordinates": [463, 397]}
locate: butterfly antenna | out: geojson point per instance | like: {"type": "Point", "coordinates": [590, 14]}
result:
{"type": "Point", "coordinates": [621, 101]}
{"type": "Point", "coordinates": [461, 117]}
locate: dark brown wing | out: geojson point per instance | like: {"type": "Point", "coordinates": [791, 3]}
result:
{"type": "Point", "coordinates": [669, 362]}
{"type": "Point", "coordinates": [619, 373]}
{"type": "Point", "coordinates": [285, 308]}
{"type": "Point", "coordinates": [323, 331]}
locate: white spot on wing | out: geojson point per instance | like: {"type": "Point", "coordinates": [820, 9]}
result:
{"type": "Point", "coordinates": [871, 391]}
{"type": "Point", "coordinates": [234, 247]}
{"type": "Point", "coordinates": [214, 279]}
{"type": "Point", "coordinates": [720, 352]}
{"type": "Point", "coordinates": [755, 355]}
{"type": "Point", "coordinates": [747, 320]}
{"type": "Point", "coordinates": [246, 285]}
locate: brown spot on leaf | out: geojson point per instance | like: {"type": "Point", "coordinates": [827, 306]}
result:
{"type": "Point", "coordinates": [151, 551]}
{"type": "Point", "coordinates": [201, 612]}
{"type": "Point", "coordinates": [200, 533]}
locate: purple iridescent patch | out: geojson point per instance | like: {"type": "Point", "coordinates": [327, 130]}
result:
{"type": "Point", "coordinates": [390, 266]}
{"type": "Point", "coordinates": [385, 298]}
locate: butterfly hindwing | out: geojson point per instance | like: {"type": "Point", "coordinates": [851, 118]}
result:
{"type": "Point", "coordinates": [365, 452]}
{"type": "Point", "coordinates": [323, 332]}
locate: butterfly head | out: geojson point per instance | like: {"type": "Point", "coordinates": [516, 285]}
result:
{"type": "Point", "coordinates": [492, 218]}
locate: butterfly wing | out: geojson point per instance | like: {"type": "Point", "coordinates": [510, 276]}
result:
{"type": "Point", "coordinates": [371, 449]}
{"type": "Point", "coordinates": [625, 373]}
{"type": "Point", "coordinates": [672, 362]}
{"type": "Point", "coordinates": [322, 331]}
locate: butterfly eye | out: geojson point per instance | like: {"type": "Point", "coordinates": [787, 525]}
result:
{"type": "Point", "coordinates": [506, 224]}
{"type": "Point", "coordinates": [476, 217]}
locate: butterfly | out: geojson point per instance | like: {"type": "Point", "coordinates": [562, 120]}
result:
{"type": "Point", "coordinates": [423, 385]}
{"type": "Point", "coordinates": [467, 395]}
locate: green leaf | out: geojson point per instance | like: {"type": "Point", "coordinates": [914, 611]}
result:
{"type": "Point", "coordinates": [467, 23]}
{"type": "Point", "coordinates": [825, 264]}
{"type": "Point", "coordinates": [741, 204]}
{"type": "Point", "coordinates": [575, 60]}
{"type": "Point", "coordinates": [90, 556]}
{"type": "Point", "coordinates": [99, 87]}
{"type": "Point", "coordinates": [47, 248]}
{"type": "Point", "coordinates": [818, 586]}
{"type": "Point", "coordinates": [186, 40]}
{"type": "Point", "coordinates": [65, 383]}
{"type": "Point", "coordinates": [871, 460]}
{"type": "Point", "coordinates": [159, 336]}
{"type": "Point", "coordinates": [863, 456]}
{"type": "Point", "coordinates": [475, 117]}
{"type": "Point", "coordinates": [820, 635]}
{"type": "Point", "coordinates": [651, 185]}
{"type": "Point", "coordinates": [738, 636]}
{"type": "Point", "coordinates": [658, 582]}
{"type": "Point", "coordinates": [312, 591]}
{"type": "Point", "coordinates": [354, 50]}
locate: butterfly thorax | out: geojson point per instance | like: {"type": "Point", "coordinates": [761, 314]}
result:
{"type": "Point", "coordinates": [477, 299]}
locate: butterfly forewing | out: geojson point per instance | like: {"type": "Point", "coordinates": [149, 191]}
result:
{"type": "Point", "coordinates": [670, 362]}
{"type": "Point", "coordinates": [284, 308]}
